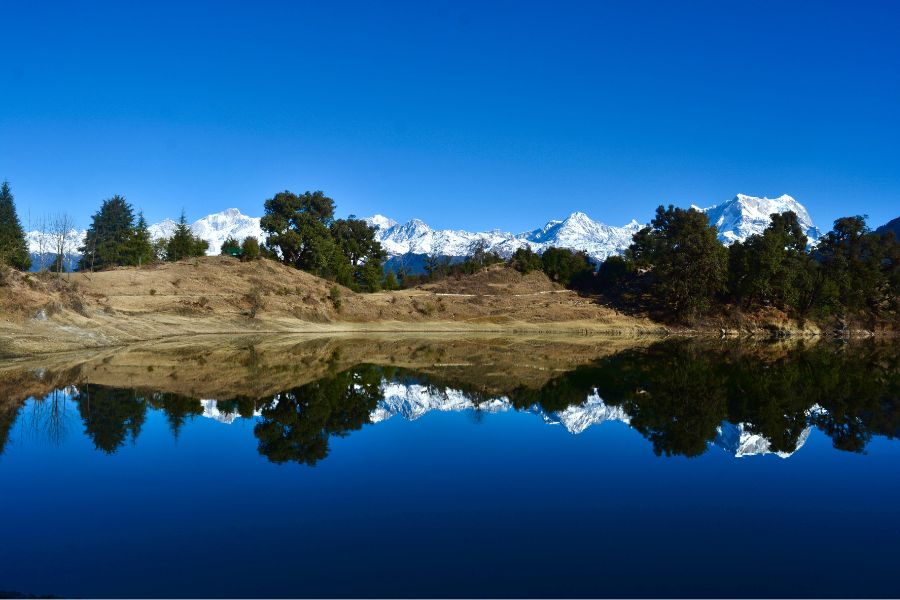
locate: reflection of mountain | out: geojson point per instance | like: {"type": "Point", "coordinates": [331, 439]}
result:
{"type": "Point", "coordinates": [682, 396]}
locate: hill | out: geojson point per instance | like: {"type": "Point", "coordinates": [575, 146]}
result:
{"type": "Point", "coordinates": [221, 295]}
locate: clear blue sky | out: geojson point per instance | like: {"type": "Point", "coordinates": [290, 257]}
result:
{"type": "Point", "coordinates": [475, 115]}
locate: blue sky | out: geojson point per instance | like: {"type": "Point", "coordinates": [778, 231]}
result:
{"type": "Point", "coordinates": [474, 115]}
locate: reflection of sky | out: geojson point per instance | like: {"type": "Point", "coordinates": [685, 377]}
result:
{"type": "Point", "coordinates": [447, 504]}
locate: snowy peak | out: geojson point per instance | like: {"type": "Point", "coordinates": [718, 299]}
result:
{"type": "Point", "coordinates": [743, 216]}
{"type": "Point", "coordinates": [218, 227]}
{"type": "Point", "coordinates": [380, 222]}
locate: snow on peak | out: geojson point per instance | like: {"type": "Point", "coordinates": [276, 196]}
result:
{"type": "Point", "coordinates": [380, 222]}
{"type": "Point", "coordinates": [743, 216]}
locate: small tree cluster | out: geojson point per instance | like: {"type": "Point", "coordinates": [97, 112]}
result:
{"type": "Point", "coordinates": [114, 238]}
{"type": "Point", "coordinates": [302, 232]}
{"type": "Point", "coordinates": [183, 243]}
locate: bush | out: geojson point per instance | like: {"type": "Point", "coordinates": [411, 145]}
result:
{"type": "Point", "coordinates": [250, 248]}
{"type": "Point", "coordinates": [335, 297]}
{"type": "Point", "coordinates": [231, 247]}
{"type": "Point", "coordinates": [255, 302]}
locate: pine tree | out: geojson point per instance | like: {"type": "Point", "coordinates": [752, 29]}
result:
{"type": "Point", "coordinates": [110, 237]}
{"type": "Point", "coordinates": [390, 281]}
{"type": "Point", "coordinates": [13, 248]}
{"type": "Point", "coordinates": [141, 243]}
{"type": "Point", "coordinates": [184, 244]}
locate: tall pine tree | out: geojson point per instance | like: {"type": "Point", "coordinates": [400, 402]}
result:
{"type": "Point", "coordinates": [13, 249]}
{"type": "Point", "coordinates": [109, 239]}
{"type": "Point", "coordinates": [183, 243]}
{"type": "Point", "coordinates": [141, 243]}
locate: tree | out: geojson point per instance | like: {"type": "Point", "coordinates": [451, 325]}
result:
{"type": "Point", "coordinates": [390, 281]}
{"type": "Point", "coordinates": [765, 268]}
{"type": "Point", "coordinates": [13, 248]}
{"type": "Point", "coordinates": [250, 248]}
{"type": "Point", "coordinates": [355, 241]}
{"type": "Point", "coordinates": [141, 249]}
{"type": "Point", "coordinates": [563, 265]}
{"type": "Point", "coordinates": [62, 235]}
{"type": "Point", "coordinates": [183, 243]}
{"type": "Point", "coordinates": [297, 228]}
{"type": "Point", "coordinates": [525, 260]}
{"type": "Point", "coordinates": [231, 247]}
{"type": "Point", "coordinates": [109, 237]}
{"type": "Point", "coordinates": [687, 262]}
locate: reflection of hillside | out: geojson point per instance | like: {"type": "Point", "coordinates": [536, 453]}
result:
{"type": "Point", "coordinates": [683, 396]}
{"type": "Point", "coordinates": [257, 366]}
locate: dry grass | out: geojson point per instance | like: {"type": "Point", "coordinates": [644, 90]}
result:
{"type": "Point", "coordinates": [223, 295]}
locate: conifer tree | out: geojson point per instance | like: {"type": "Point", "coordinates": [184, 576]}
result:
{"type": "Point", "coordinates": [13, 248]}
{"type": "Point", "coordinates": [109, 239]}
{"type": "Point", "coordinates": [141, 243]}
{"type": "Point", "coordinates": [184, 244]}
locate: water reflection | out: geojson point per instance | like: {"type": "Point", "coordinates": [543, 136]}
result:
{"type": "Point", "coordinates": [684, 397]}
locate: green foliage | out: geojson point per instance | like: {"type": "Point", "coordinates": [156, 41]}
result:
{"type": "Point", "coordinates": [296, 425]}
{"type": "Point", "coordinates": [183, 243]}
{"type": "Point", "coordinates": [231, 247]}
{"type": "Point", "coordinates": [862, 267]}
{"type": "Point", "coordinates": [140, 250]}
{"type": "Point", "coordinates": [335, 296]}
{"type": "Point", "coordinates": [565, 266]}
{"type": "Point", "coordinates": [303, 231]}
{"type": "Point", "coordinates": [110, 415]}
{"type": "Point", "coordinates": [525, 260]}
{"type": "Point", "coordinates": [110, 239]}
{"type": "Point", "coordinates": [250, 248]}
{"type": "Point", "coordinates": [687, 262]}
{"type": "Point", "coordinates": [615, 272]}
{"type": "Point", "coordinates": [13, 248]}
{"type": "Point", "coordinates": [390, 281]}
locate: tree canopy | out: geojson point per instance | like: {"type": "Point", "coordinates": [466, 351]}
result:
{"type": "Point", "coordinates": [13, 247]}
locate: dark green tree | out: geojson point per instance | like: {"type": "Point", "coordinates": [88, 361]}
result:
{"type": "Point", "coordinates": [390, 281]}
{"type": "Point", "coordinates": [110, 415]}
{"type": "Point", "coordinates": [141, 247]}
{"type": "Point", "coordinates": [565, 266]}
{"type": "Point", "coordinates": [110, 236]}
{"type": "Point", "coordinates": [183, 243]}
{"type": "Point", "coordinates": [687, 262]}
{"type": "Point", "coordinates": [250, 248]}
{"type": "Point", "coordinates": [297, 227]}
{"type": "Point", "coordinates": [231, 247]}
{"type": "Point", "coordinates": [525, 260]}
{"type": "Point", "coordinates": [13, 248]}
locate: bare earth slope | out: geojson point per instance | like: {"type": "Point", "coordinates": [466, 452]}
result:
{"type": "Point", "coordinates": [221, 295]}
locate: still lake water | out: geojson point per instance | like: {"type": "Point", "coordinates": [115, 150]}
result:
{"type": "Point", "coordinates": [442, 467]}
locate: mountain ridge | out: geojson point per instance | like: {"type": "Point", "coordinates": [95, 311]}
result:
{"type": "Point", "coordinates": [736, 219]}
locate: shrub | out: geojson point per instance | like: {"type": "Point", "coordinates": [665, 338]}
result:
{"type": "Point", "coordinates": [250, 248]}
{"type": "Point", "coordinates": [335, 297]}
{"type": "Point", "coordinates": [255, 303]}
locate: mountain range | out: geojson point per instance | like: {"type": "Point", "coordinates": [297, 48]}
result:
{"type": "Point", "coordinates": [412, 401]}
{"type": "Point", "coordinates": [736, 220]}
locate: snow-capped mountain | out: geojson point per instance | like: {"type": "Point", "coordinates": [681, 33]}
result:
{"type": "Point", "coordinates": [736, 219]}
{"type": "Point", "coordinates": [576, 232]}
{"type": "Point", "coordinates": [412, 401]}
{"type": "Point", "coordinates": [743, 216]}
{"type": "Point", "coordinates": [214, 228]}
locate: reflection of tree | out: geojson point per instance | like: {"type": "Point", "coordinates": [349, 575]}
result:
{"type": "Point", "coordinates": [296, 424]}
{"type": "Point", "coordinates": [110, 415]}
{"type": "Point", "coordinates": [177, 408]}
{"type": "Point", "coordinates": [678, 392]}
{"type": "Point", "coordinates": [7, 420]}
{"type": "Point", "coordinates": [46, 417]}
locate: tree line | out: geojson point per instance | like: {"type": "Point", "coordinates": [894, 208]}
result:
{"type": "Point", "coordinates": [679, 270]}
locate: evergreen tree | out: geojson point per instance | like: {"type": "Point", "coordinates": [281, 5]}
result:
{"type": "Point", "coordinates": [13, 248]}
{"type": "Point", "coordinates": [141, 244]}
{"type": "Point", "coordinates": [564, 266]}
{"type": "Point", "coordinates": [390, 281]}
{"type": "Point", "coordinates": [687, 262]}
{"type": "Point", "coordinates": [183, 243]}
{"type": "Point", "coordinates": [109, 240]}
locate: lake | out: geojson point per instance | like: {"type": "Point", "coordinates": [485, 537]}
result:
{"type": "Point", "coordinates": [286, 466]}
